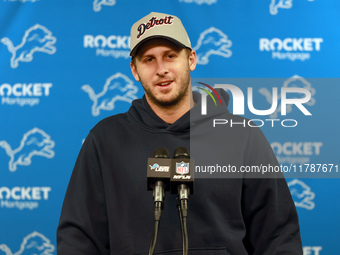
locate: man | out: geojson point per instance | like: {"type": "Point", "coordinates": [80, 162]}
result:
{"type": "Point", "coordinates": [107, 209]}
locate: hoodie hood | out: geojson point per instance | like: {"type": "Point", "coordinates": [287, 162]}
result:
{"type": "Point", "coordinates": [145, 117]}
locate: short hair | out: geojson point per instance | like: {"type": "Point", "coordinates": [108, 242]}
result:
{"type": "Point", "coordinates": [133, 58]}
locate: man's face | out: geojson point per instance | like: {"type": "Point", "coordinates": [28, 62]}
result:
{"type": "Point", "coordinates": [164, 68]}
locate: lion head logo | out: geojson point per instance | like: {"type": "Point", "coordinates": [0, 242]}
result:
{"type": "Point", "coordinates": [36, 39]}
{"type": "Point", "coordinates": [34, 143]}
{"type": "Point", "coordinates": [212, 42]}
{"type": "Point", "coordinates": [33, 244]}
{"type": "Point", "coordinates": [301, 194]}
{"type": "Point", "coordinates": [117, 87]}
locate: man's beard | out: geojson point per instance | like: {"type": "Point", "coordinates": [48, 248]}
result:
{"type": "Point", "coordinates": [176, 99]}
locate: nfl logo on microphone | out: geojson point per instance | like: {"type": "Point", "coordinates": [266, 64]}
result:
{"type": "Point", "coordinates": [182, 168]}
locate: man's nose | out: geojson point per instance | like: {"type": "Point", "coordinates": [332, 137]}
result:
{"type": "Point", "coordinates": [162, 68]}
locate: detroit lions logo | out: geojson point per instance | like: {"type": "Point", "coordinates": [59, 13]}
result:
{"type": "Point", "coordinates": [301, 194]}
{"type": "Point", "coordinates": [154, 166]}
{"type": "Point", "coordinates": [284, 4]}
{"type": "Point", "coordinates": [212, 42]}
{"type": "Point", "coordinates": [97, 4]}
{"type": "Point", "coordinates": [34, 143]}
{"type": "Point", "coordinates": [34, 243]}
{"type": "Point", "coordinates": [295, 81]}
{"type": "Point", "coordinates": [37, 38]}
{"type": "Point", "coordinates": [118, 87]}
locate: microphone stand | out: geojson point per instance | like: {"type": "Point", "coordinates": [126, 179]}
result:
{"type": "Point", "coordinates": [158, 201]}
{"type": "Point", "coordinates": [182, 205]}
{"type": "Point", "coordinates": [182, 184]}
{"type": "Point", "coordinates": [158, 181]}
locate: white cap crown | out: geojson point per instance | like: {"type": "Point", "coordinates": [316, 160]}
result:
{"type": "Point", "coordinates": [158, 25]}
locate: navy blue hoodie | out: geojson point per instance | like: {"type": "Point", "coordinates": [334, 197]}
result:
{"type": "Point", "coordinates": [108, 210]}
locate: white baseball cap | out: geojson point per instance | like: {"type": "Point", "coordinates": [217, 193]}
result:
{"type": "Point", "coordinates": [158, 25]}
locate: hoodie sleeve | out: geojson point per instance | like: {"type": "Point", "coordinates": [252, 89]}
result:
{"type": "Point", "coordinates": [83, 225]}
{"type": "Point", "coordinates": [268, 209]}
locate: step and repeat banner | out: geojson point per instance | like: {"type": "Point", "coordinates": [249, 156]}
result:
{"type": "Point", "coordinates": [64, 66]}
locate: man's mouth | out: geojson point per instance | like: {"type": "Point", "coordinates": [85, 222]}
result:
{"type": "Point", "coordinates": [164, 83]}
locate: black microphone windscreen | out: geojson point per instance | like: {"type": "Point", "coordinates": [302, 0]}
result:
{"type": "Point", "coordinates": [181, 152]}
{"type": "Point", "coordinates": [161, 153]}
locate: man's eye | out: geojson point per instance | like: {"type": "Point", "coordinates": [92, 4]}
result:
{"type": "Point", "coordinates": [170, 57]}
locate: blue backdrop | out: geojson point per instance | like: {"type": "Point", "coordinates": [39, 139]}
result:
{"type": "Point", "coordinates": [59, 61]}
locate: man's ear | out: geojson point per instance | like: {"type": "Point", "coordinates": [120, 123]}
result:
{"type": "Point", "coordinates": [192, 60]}
{"type": "Point", "coordinates": [134, 71]}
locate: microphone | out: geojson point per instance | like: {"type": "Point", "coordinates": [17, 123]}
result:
{"type": "Point", "coordinates": [182, 173]}
{"type": "Point", "coordinates": [158, 180]}
{"type": "Point", "coordinates": [182, 183]}
{"type": "Point", "coordinates": [158, 174]}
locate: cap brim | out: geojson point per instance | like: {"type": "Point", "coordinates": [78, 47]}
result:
{"type": "Point", "coordinates": [135, 49]}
